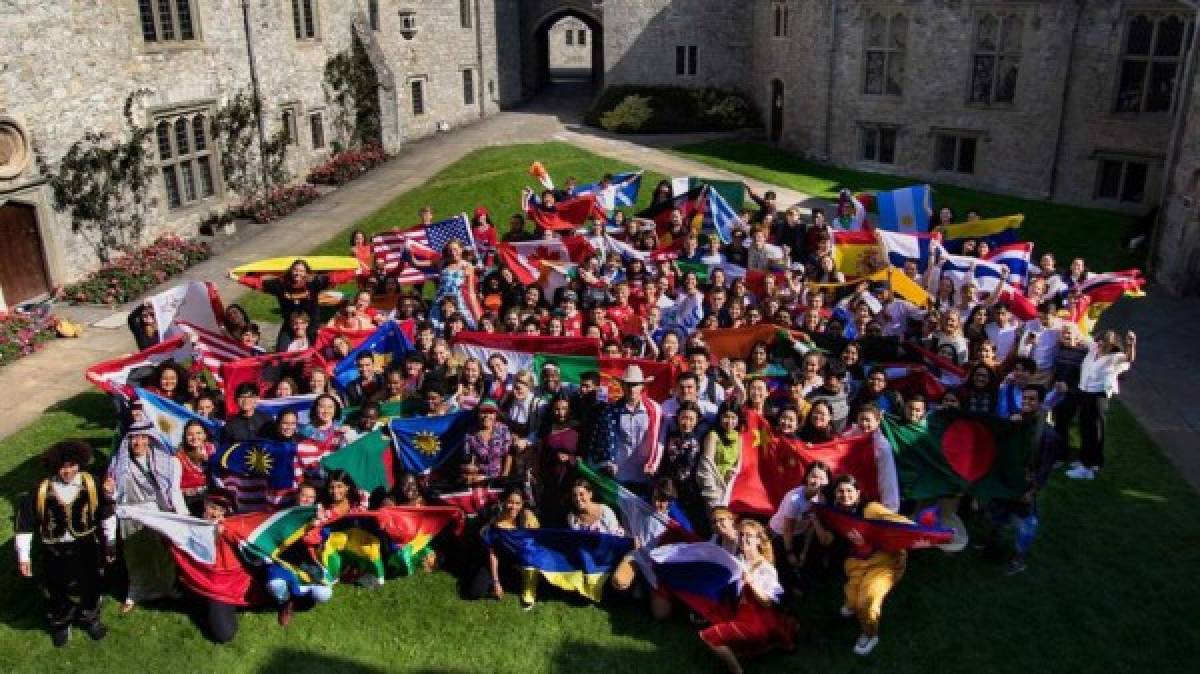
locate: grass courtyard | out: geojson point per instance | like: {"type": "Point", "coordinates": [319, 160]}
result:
{"type": "Point", "coordinates": [1111, 583]}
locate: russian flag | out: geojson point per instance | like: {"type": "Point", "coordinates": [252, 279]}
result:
{"type": "Point", "coordinates": [905, 210]}
{"type": "Point", "coordinates": [1015, 256]}
{"type": "Point", "coordinates": [703, 576]}
{"type": "Point", "coordinates": [901, 247]}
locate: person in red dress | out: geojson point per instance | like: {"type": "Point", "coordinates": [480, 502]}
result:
{"type": "Point", "coordinates": [757, 626]}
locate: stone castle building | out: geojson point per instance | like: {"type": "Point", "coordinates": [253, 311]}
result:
{"type": "Point", "coordinates": [1087, 102]}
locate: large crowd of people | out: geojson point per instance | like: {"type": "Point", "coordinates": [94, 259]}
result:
{"type": "Point", "coordinates": [532, 428]}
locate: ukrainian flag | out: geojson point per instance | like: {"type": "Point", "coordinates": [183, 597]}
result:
{"type": "Point", "coordinates": [576, 561]}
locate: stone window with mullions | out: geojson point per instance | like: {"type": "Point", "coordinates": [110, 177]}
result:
{"type": "Point", "coordinates": [885, 42]}
{"type": "Point", "coordinates": [304, 19]}
{"type": "Point", "coordinates": [185, 156]}
{"type": "Point", "coordinates": [996, 59]}
{"type": "Point", "coordinates": [1151, 59]}
{"type": "Point", "coordinates": [781, 19]}
{"type": "Point", "coordinates": [168, 20]}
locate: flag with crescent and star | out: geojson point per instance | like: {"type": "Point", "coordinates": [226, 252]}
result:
{"type": "Point", "coordinates": [269, 459]}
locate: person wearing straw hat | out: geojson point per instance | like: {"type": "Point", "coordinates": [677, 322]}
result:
{"type": "Point", "coordinates": [626, 437]}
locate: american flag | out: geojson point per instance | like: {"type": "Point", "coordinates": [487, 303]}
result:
{"type": "Point", "coordinates": [424, 243]}
{"type": "Point", "coordinates": [210, 349]}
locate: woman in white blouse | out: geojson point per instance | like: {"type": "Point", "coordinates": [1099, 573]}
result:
{"type": "Point", "coordinates": [1107, 359]}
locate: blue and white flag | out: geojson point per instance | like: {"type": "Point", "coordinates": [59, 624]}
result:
{"type": "Point", "coordinates": [622, 191]}
{"type": "Point", "coordinates": [301, 405]}
{"type": "Point", "coordinates": [905, 210]}
{"type": "Point", "coordinates": [901, 247]}
{"type": "Point", "coordinates": [388, 344]}
{"type": "Point", "coordinates": [425, 443]}
{"type": "Point", "coordinates": [720, 216]}
{"type": "Point", "coordinates": [169, 417]}
{"type": "Point", "coordinates": [988, 276]}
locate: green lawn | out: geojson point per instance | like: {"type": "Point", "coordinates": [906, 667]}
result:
{"type": "Point", "coordinates": [491, 177]}
{"type": "Point", "coordinates": [1068, 231]}
{"type": "Point", "coordinates": [1111, 584]}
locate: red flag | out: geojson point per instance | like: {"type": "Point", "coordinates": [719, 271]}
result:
{"type": "Point", "coordinates": [265, 370]}
{"type": "Point", "coordinates": [661, 376]}
{"type": "Point", "coordinates": [568, 214]}
{"type": "Point", "coordinates": [747, 493]}
{"type": "Point", "coordinates": [883, 535]}
{"type": "Point", "coordinates": [783, 465]}
{"type": "Point", "coordinates": [736, 342]}
{"type": "Point", "coordinates": [227, 580]}
{"type": "Point", "coordinates": [470, 501]}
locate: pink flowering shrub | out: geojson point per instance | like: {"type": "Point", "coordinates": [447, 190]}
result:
{"type": "Point", "coordinates": [23, 333]}
{"type": "Point", "coordinates": [346, 166]}
{"type": "Point", "coordinates": [277, 203]}
{"type": "Point", "coordinates": [135, 271]}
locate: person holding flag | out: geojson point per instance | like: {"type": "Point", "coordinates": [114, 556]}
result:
{"type": "Point", "coordinates": [628, 434]}
{"type": "Point", "coordinates": [456, 281]}
{"type": "Point", "coordinates": [871, 573]}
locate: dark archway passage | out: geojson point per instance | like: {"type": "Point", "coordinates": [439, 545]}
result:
{"type": "Point", "coordinates": [536, 68]}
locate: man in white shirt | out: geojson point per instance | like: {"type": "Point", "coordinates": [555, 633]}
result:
{"type": "Point", "coordinates": [687, 389]}
{"type": "Point", "coordinates": [1107, 359]}
{"type": "Point", "coordinates": [1040, 342]}
{"type": "Point", "coordinates": [1003, 332]}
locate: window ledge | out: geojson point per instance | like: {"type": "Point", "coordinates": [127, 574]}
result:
{"type": "Point", "coordinates": [193, 207]}
{"type": "Point", "coordinates": [998, 107]}
{"type": "Point", "coordinates": [172, 47]}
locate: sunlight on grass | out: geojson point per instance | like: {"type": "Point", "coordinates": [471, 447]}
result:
{"type": "Point", "coordinates": [1143, 496]}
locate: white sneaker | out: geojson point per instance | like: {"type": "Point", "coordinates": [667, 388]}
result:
{"type": "Point", "coordinates": [1081, 473]}
{"type": "Point", "coordinates": [865, 644]}
{"type": "Point", "coordinates": [1074, 464]}
{"type": "Point", "coordinates": [846, 611]}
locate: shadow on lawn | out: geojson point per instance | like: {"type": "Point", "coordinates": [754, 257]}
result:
{"type": "Point", "coordinates": [294, 661]}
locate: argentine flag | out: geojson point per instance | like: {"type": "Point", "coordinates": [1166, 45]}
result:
{"type": "Point", "coordinates": [905, 210]}
{"type": "Point", "coordinates": [169, 417]}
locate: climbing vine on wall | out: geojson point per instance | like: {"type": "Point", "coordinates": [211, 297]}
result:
{"type": "Point", "coordinates": [102, 182]}
{"type": "Point", "coordinates": [354, 88]}
{"type": "Point", "coordinates": [235, 131]}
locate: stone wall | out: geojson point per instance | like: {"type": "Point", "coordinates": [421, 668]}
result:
{"type": "Point", "coordinates": [1175, 255]}
{"type": "Point", "coordinates": [68, 67]}
{"type": "Point", "coordinates": [641, 38]}
{"type": "Point", "coordinates": [576, 54]}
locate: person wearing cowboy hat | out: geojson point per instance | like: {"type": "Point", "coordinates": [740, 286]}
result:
{"type": "Point", "coordinates": [73, 522]}
{"type": "Point", "coordinates": [626, 439]}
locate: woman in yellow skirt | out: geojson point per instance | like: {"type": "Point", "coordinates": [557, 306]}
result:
{"type": "Point", "coordinates": [871, 573]}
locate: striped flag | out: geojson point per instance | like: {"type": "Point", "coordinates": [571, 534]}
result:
{"type": "Point", "coordinates": [422, 243]}
{"type": "Point", "coordinates": [1016, 257]}
{"type": "Point", "coordinates": [520, 350]}
{"type": "Point", "coordinates": [903, 246]}
{"type": "Point", "coordinates": [213, 349]}
{"type": "Point", "coordinates": [169, 417]}
{"type": "Point", "coordinates": [526, 258]}
{"type": "Point", "coordinates": [905, 210]}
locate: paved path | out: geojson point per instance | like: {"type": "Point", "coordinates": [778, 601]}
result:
{"type": "Point", "coordinates": [33, 385]}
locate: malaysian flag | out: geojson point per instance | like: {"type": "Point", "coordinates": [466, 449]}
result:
{"type": "Point", "coordinates": [211, 349]}
{"type": "Point", "coordinates": [422, 243]}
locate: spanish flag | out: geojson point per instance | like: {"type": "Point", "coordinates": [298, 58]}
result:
{"type": "Point", "coordinates": [857, 253]}
{"type": "Point", "coordinates": [576, 561]}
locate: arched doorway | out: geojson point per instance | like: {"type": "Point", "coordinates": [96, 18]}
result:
{"type": "Point", "coordinates": [23, 272]}
{"type": "Point", "coordinates": [777, 101]}
{"type": "Point", "coordinates": [537, 71]}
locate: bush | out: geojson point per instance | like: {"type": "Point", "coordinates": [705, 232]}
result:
{"type": "Point", "coordinates": [136, 271]}
{"type": "Point", "coordinates": [23, 333]}
{"type": "Point", "coordinates": [277, 203]}
{"type": "Point", "coordinates": [343, 167]}
{"type": "Point", "coordinates": [630, 116]}
{"type": "Point", "coordinates": [670, 110]}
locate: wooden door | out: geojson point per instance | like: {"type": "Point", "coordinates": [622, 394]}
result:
{"type": "Point", "coordinates": [22, 260]}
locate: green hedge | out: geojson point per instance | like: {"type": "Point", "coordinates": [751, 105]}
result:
{"type": "Point", "coordinates": [670, 110]}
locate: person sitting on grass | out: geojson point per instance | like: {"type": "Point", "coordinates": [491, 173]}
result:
{"type": "Point", "coordinates": [494, 573]}
{"type": "Point", "coordinates": [756, 627]}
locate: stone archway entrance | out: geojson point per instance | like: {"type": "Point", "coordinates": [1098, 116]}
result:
{"type": "Point", "coordinates": [536, 20]}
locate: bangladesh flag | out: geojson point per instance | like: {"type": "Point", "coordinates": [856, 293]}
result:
{"type": "Point", "coordinates": [368, 460]}
{"type": "Point", "coordinates": [955, 452]}
{"type": "Point", "coordinates": [661, 375]}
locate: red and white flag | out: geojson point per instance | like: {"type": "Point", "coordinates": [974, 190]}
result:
{"type": "Point", "coordinates": [112, 376]}
{"type": "Point", "coordinates": [211, 349]}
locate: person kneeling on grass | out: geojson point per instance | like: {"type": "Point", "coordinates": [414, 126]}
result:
{"type": "Point", "coordinates": [757, 626]}
{"type": "Point", "coordinates": [489, 580]}
{"type": "Point", "coordinates": [870, 573]}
